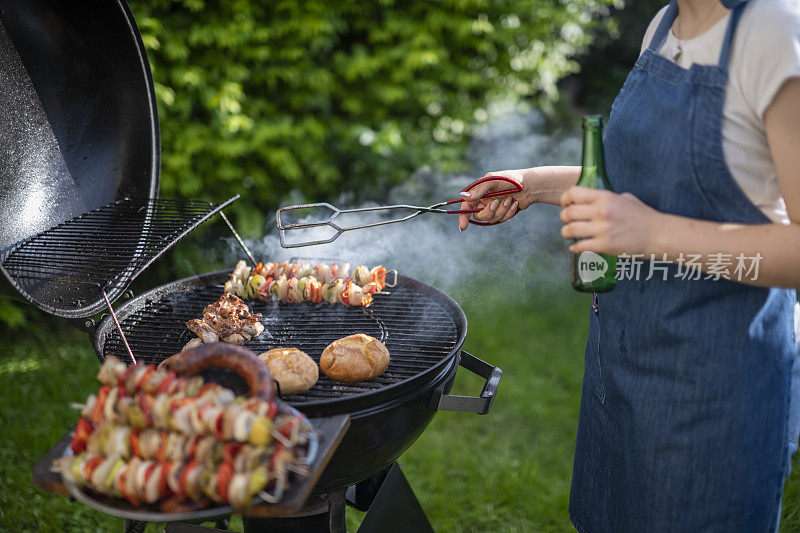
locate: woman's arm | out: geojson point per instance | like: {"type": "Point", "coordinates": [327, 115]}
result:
{"type": "Point", "coordinates": [621, 223]}
{"type": "Point", "coordinates": [549, 183]}
{"type": "Point", "coordinates": [539, 185]}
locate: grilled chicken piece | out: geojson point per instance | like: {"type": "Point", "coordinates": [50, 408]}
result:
{"type": "Point", "coordinates": [220, 323]}
{"type": "Point", "coordinates": [194, 343]}
{"type": "Point", "coordinates": [229, 319]}
{"type": "Point", "coordinates": [230, 305]}
{"type": "Point", "coordinates": [253, 329]}
{"type": "Point", "coordinates": [234, 338]}
{"type": "Point", "coordinates": [203, 330]}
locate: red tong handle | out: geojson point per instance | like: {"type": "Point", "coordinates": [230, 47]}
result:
{"type": "Point", "coordinates": [493, 194]}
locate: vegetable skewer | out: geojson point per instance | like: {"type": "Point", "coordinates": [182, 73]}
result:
{"type": "Point", "coordinates": [143, 396]}
{"type": "Point", "coordinates": [147, 481]}
{"type": "Point", "coordinates": [151, 436]}
{"type": "Point", "coordinates": [300, 282]}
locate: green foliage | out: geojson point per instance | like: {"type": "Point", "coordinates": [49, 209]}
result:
{"type": "Point", "coordinates": [12, 314]}
{"type": "Point", "coordinates": [316, 98]}
{"type": "Point", "coordinates": [264, 98]}
{"type": "Point", "coordinates": [605, 65]}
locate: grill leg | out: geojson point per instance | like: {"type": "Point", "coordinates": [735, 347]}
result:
{"type": "Point", "coordinates": [330, 520]}
{"type": "Point", "coordinates": [395, 508]}
{"type": "Point", "coordinates": [337, 519]}
{"type": "Point", "coordinates": [362, 494]}
{"type": "Point", "coordinates": [135, 526]}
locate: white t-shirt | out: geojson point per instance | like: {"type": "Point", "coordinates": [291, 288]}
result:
{"type": "Point", "coordinates": [765, 52]}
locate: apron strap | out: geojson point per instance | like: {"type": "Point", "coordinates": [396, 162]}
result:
{"type": "Point", "coordinates": [663, 28]}
{"type": "Point", "coordinates": [737, 7]}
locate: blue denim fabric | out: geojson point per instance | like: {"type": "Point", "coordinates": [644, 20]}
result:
{"type": "Point", "coordinates": [685, 420]}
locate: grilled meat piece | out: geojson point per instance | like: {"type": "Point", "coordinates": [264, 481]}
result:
{"type": "Point", "coordinates": [194, 343]}
{"type": "Point", "coordinates": [228, 319]}
{"type": "Point", "coordinates": [234, 338]}
{"type": "Point", "coordinates": [203, 330]}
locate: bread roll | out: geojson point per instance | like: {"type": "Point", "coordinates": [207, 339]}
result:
{"type": "Point", "coordinates": [294, 370]}
{"type": "Point", "coordinates": [354, 358]}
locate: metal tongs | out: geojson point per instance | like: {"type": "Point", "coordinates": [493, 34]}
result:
{"type": "Point", "coordinates": [435, 208]}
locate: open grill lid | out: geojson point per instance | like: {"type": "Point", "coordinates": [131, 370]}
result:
{"type": "Point", "coordinates": [78, 117]}
{"type": "Point", "coordinates": [79, 174]}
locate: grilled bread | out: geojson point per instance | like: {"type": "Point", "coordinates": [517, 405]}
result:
{"type": "Point", "coordinates": [354, 358]}
{"type": "Point", "coordinates": [294, 370]}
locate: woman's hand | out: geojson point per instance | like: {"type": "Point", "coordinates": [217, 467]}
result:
{"type": "Point", "coordinates": [494, 209]}
{"type": "Point", "coordinates": [539, 184]}
{"type": "Point", "coordinates": [607, 222]}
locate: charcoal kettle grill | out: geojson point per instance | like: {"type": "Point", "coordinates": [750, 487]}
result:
{"type": "Point", "coordinates": [79, 180]}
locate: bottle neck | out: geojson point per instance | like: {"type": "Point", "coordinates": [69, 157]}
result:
{"type": "Point", "coordinates": [592, 147]}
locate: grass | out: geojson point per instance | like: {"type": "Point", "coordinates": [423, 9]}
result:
{"type": "Point", "coordinates": [511, 470]}
{"type": "Point", "coordinates": [508, 471]}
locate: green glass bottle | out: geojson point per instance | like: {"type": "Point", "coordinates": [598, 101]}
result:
{"type": "Point", "coordinates": [593, 272]}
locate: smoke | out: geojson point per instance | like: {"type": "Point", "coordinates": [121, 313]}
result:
{"type": "Point", "coordinates": [518, 255]}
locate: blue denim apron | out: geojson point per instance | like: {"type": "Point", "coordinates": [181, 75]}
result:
{"type": "Point", "coordinates": [685, 414]}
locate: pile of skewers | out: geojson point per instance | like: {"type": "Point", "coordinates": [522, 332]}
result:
{"type": "Point", "coordinates": [150, 436]}
{"type": "Point", "coordinates": [300, 282]}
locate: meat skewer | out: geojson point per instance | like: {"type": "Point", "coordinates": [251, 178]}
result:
{"type": "Point", "coordinates": [150, 481]}
{"type": "Point", "coordinates": [144, 397]}
{"type": "Point", "coordinates": [112, 439]}
{"type": "Point", "coordinates": [150, 436]}
{"type": "Point", "coordinates": [300, 282]}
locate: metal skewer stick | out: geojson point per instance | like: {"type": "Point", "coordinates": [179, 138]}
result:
{"type": "Point", "coordinates": [238, 238]}
{"type": "Point", "coordinates": [119, 328]}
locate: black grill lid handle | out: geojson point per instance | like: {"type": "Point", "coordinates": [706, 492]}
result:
{"type": "Point", "coordinates": [470, 404]}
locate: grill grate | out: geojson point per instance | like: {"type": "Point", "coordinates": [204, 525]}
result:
{"type": "Point", "coordinates": [417, 331]}
{"type": "Point", "coordinates": [65, 269]}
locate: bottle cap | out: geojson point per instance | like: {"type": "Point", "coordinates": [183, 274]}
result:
{"type": "Point", "coordinates": [592, 121]}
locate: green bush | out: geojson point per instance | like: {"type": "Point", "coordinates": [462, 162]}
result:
{"type": "Point", "coordinates": [316, 98]}
{"type": "Point", "coordinates": [605, 65]}
{"type": "Point", "coordinates": [12, 314]}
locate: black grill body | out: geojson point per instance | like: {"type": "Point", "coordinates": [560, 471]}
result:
{"type": "Point", "coordinates": [422, 327]}
{"type": "Point", "coordinates": [378, 436]}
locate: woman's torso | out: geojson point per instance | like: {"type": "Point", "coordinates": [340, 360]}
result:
{"type": "Point", "coordinates": [685, 412]}
{"type": "Point", "coordinates": [758, 66]}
